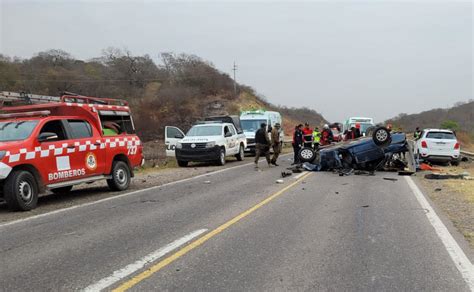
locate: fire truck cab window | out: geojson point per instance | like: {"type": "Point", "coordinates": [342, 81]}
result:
{"type": "Point", "coordinates": [116, 123]}
{"type": "Point", "coordinates": [55, 127]}
{"type": "Point", "coordinates": [80, 129]}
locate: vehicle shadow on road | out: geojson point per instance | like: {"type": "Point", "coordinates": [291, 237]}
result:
{"type": "Point", "coordinates": [66, 199]}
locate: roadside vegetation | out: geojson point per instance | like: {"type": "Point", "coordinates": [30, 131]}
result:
{"type": "Point", "coordinates": [178, 91]}
{"type": "Point", "coordinates": [459, 118]}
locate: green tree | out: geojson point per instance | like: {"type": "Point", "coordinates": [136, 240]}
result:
{"type": "Point", "coordinates": [450, 124]}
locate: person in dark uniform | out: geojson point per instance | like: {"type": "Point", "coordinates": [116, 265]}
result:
{"type": "Point", "coordinates": [262, 145]}
{"type": "Point", "coordinates": [297, 143]}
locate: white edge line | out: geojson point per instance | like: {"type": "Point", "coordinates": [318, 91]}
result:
{"type": "Point", "coordinates": [141, 263]}
{"type": "Point", "coordinates": [461, 261]}
{"type": "Point", "coordinates": [126, 194]}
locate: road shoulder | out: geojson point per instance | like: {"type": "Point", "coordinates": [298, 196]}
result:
{"type": "Point", "coordinates": [441, 209]}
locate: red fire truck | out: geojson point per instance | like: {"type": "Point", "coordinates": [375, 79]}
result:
{"type": "Point", "coordinates": [53, 143]}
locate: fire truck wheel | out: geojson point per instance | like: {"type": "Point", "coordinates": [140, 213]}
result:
{"type": "Point", "coordinates": [21, 191]}
{"type": "Point", "coordinates": [120, 176]}
{"type": "Point", "coordinates": [63, 190]}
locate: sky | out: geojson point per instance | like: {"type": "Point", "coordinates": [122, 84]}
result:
{"type": "Point", "coordinates": [374, 58]}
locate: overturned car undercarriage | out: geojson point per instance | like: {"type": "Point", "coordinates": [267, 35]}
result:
{"type": "Point", "coordinates": [380, 151]}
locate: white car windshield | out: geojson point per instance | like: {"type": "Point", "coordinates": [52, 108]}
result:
{"type": "Point", "coordinates": [16, 130]}
{"type": "Point", "coordinates": [204, 131]}
{"type": "Point", "coordinates": [251, 125]}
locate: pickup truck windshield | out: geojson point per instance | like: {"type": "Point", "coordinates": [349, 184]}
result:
{"type": "Point", "coordinates": [16, 131]}
{"type": "Point", "coordinates": [440, 135]}
{"type": "Point", "coordinates": [204, 131]}
{"type": "Point", "coordinates": [251, 125]}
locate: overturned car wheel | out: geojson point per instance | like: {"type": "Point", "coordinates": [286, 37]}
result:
{"type": "Point", "coordinates": [381, 137]}
{"type": "Point", "coordinates": [306, 155]}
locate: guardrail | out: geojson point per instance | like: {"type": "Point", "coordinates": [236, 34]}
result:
{"type": "Point", "coordinates": [467, 154]}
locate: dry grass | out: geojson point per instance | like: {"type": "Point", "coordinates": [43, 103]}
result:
{"type": "Point", "coordinates": [456, 198]}
{"type": "Point", "coordinates": [466, 140]}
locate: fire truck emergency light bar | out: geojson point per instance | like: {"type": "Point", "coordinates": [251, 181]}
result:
{"type": "Point", "coordinates": [26, 114]}
{"type": "Point", "coordinates": [15, 98]}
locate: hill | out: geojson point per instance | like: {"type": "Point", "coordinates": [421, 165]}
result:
{"type": "Point", "coordinates": [462, 114]}
{"type": "Point", "coordinates": [178, 91]}
{"type": "Point", "coordinates": [460, 117]}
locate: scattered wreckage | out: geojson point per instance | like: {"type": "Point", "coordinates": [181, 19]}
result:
{"type": "Point", "coordinates": [382, 150]}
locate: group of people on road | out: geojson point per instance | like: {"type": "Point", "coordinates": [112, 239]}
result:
{"type": "Point", "coordinates": [310, 138]}
{"type": "Point", "coordinates": [263, 144]}
{"type": "Point", "coordinates": [302, 137]}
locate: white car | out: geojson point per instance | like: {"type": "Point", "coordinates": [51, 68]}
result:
{"type": "Point", "coordinates": [438, 145]}
{"type": "Point", "coordinates": [206, 141]}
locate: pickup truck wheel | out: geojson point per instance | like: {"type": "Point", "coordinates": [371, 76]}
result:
{"type": "Point", "coordinates": [63, 190]}
{"type": "Point", "coordinates": [21, 191]}
{"type": "Point", "coordinates": [306, 155]}
{"type": "Point", "coordinates": [121, 176]}
{"type": "Point", "coordinates": [241, 154]}
{"type": "Point", "coordinates": [182, 163]}
{"type": "Point", "coordinates": [454, 162]}
{"type": "Point", "coordinates": [381, 137]}
{"type": "Point", "coordinates": [221, 160]}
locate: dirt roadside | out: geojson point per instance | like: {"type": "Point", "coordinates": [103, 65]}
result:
{"type": "Point", "coordinates": [454, 197]}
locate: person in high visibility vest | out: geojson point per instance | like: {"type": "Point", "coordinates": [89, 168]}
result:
{"type": "Point", "coordinates": [316, 138]}
{"type": "Point", "coordinates": [417, 134]}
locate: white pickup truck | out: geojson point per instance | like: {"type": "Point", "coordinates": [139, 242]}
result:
{"type": "Point", "coordinates": [205, 141]}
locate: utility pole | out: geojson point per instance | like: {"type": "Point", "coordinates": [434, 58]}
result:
{"type": "Point", "coordinates": [235, 82]}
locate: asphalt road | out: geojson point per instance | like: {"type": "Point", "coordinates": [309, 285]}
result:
{"type": "Point", "coordinates": [246, 232]}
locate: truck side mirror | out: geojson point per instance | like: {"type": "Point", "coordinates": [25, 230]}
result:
{"type": "Point", "coordinates": [47, 136]}
{"type": "Point", "coordinates": [179, 136]}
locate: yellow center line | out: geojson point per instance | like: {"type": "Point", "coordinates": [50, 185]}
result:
{"type": "Point", "coordinates": [163, 263]}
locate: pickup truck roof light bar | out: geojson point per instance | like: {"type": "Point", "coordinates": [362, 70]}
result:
{"type": "Point", "coordinates": [254, 112]}
{"type": "Point", "coordinates": [207, 122]}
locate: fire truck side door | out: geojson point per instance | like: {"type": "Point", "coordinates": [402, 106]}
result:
{"type": "Point", "coordinates": [54, 163]}
{"type": "Point", "coordinates": [85, 148]}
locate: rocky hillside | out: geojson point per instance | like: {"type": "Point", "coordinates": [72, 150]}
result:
{"type": "Point", "coordinates": [459, 117]}
{"type": "Point", "coordinates": [178, 91]}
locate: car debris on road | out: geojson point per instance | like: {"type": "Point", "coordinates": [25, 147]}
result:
{"type": "Point", "coordinates": [381, 151]}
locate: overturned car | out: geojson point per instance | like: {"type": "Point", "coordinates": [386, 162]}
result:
{"type": "Point", "coordinates": [380, 150]}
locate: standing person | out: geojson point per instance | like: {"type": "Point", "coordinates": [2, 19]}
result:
{"type": "Point", "coordinates": [316, 138]}
{"type": "Point", "coordinates": [276, 145]}
{"type": "Point", "coordinates": [297, 143]}
{"type": "Point", "coordinates": [262, 144]}
{"type": "Point", "coordinates": [307, 135]}
{"type": "Point", "coordinates": [326, 135]}
{"type": "Point", "coordinates": [350, 133]}
{"type": "Point", "coordinates": [357, 133]}
{"type": "Point", "coordinates": [417, 134]}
